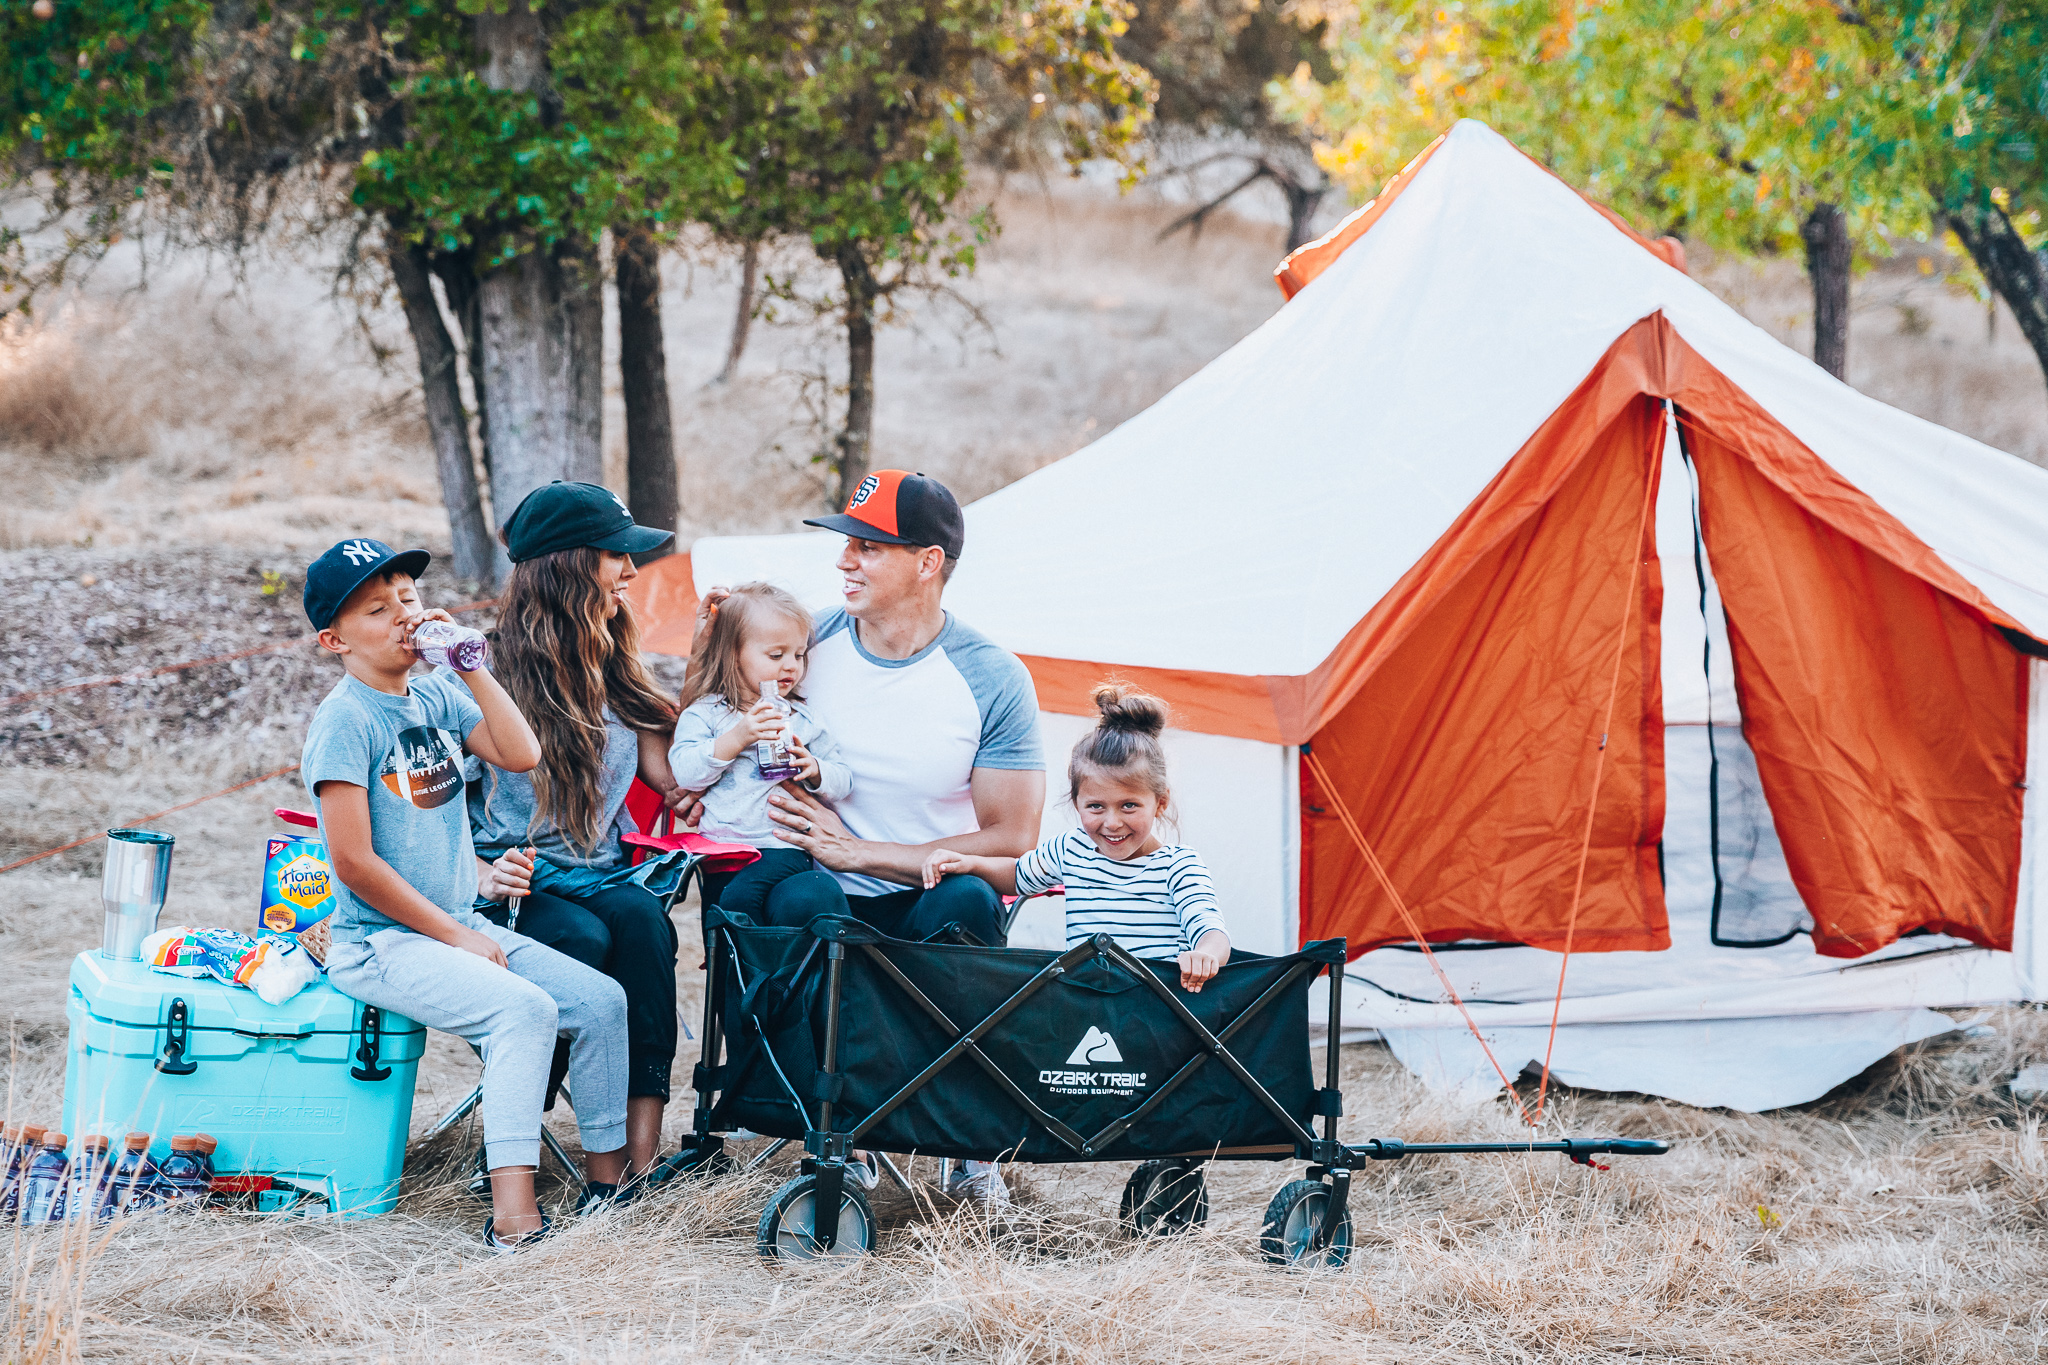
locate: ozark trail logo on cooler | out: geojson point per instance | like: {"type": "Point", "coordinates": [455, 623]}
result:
{"type": "Point", "coordinates": [1096, 1048]}
{"type": "Point", "coordinates": [864, 492]}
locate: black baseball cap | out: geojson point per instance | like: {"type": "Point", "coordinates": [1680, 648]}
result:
{"type": "Point", "coordinates": [901, 509]}
{"type": "Point", "coordinates": [346, 567]}
{"type": "Point", "coordinates": [563, 515]}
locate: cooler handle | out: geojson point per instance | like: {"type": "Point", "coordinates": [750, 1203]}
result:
{"type": "Point", "coordinates": [366, 1068]}
{"type": "Point", "coordinates": [173, 1062]}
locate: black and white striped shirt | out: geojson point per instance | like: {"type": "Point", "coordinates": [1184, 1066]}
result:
{"type": "Point", "coordinates": [1159, 905]}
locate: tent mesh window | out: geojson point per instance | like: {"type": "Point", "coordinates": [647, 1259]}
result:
{"type": "Point", "coordinates": [1756, 904]}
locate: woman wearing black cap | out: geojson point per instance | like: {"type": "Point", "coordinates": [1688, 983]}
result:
{"type": "Point", "coordinates": [568, 650]}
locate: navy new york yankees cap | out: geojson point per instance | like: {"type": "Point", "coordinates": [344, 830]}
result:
{"type": "Point", "coordinates": [345, 567]}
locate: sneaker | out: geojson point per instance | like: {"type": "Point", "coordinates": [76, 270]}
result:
{"type": "Point", "coordinates": [981, 1182]}
{"type": "Point", "coordinates": [517, 1244]}
{"type": "Point", "coordinates": [862, 1171]}
{"type": "Point", "coordinates": [598, 1196]}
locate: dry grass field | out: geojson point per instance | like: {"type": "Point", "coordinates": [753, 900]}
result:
{"type": "Point", "coordinates": [166, 449]}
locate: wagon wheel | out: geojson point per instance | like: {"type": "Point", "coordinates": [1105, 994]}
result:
{"type": "Point", "coordinates": [1165, 1197]}
{"type": "Point", "coordinates": [1292, 1218]}
{"type": "Point", "coordinates": [788, 1229]}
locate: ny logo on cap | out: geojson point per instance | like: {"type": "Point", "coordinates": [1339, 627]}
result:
{"type": "Point", "coordinates": [360, 552]}
{"type": "Point", "coordinates": [864, 492]}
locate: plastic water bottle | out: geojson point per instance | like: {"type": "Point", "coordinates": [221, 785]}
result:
{"type": "Point", "coordinates": [772, 755]}
{"type": "Point", "coordinates": [447, 645]}
{"type": "Point", "coordinates": [182, 1175]}
{"type": "Point", "coordinates": [10, 1168]}
{"type": "Point", "coordinates": [135, 1176]}
{"type": "Point", "coordinates": [207, 1145]}
{"type": "Point", "coordinates": [42, 1199]}
{"type": "Point", "coordinates": [91, 1192]}
{"type": "Point", "coordinates": [21, 1150]}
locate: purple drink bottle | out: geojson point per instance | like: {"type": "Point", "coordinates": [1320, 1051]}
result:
{"type": "Point", "coordinates": [772, 755]}
{"type": "Point", "coordinates": [10, 1168]}
{"type": "Point", "coordinates": [42, 1198]}
{"type": "Point", "coordinates": [91, 1193]}
{"type": "Point", "coordinates": [447, 645]}
{"type": "Point", "coordinates": [135, 1176]}
{"type": "Point", "coordinates": [22, 1147]}
{"type": "Point", "coordinates": [181, 1176]}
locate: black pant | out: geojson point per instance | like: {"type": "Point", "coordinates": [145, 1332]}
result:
{"type": "Point", "coordinates": [623, 933]}
{"type": "Point", "coordinates": [795, 899]}
{"type": "Point", "coordinates": [749, 891]}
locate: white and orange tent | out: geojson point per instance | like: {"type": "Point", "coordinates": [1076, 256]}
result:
{"type": "Point", "coordinates": [1509, 556]}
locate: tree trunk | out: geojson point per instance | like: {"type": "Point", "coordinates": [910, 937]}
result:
{"type": "Point", "coordinates": [743, 318]}
{"type": "Point", "coordinates": [447, 423]}
{"type": "Point", "coordinates": [858, 434]}
{"type": "Point", "coordinates": [2015, 273]}
{"type": "Point", "coordinates": [1826, 231]}
{"type": "Point", "coordinates": [643, 378]}
{"type": "Point", "coordinates": [540, 322]}
{"type": "Point", "coordinates": [457, 272]}
{"type": "Point", "coordinates": [1302, 203]}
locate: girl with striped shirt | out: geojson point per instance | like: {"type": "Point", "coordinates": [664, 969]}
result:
{"type": "Point", "coordinates": [1121, 878]}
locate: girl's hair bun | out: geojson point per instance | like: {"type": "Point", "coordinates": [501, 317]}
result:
{"type": "Point", "coordinates": [1125, 741]}
{"type": "Point", "coordinates": [1125, 708]}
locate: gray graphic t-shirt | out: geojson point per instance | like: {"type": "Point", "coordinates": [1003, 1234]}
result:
{"type": "Point", "coordinates": [502, 807]}
{"type": "Point", "coordinates": [407, 751]}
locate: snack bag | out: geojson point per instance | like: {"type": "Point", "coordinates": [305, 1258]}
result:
{"type": "Point", "coordinates": [298, 884]}
{"type": "Point", "coordinates": [274, 966]}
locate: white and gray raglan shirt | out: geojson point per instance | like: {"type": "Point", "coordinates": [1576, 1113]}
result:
{"type": "Point", "coordinates": [914, 730]}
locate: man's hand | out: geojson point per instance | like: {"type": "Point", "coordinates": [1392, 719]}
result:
{"type": "Point", "coordinates": [808, 825]}
{"type": "Point", "coordinates": [1204, 960]}
{"type": "Point", "coordinates": [483, 945]}
{"type": "Point", "coordinates": [510, 876]}
{"type": "Point", "coordinates": [686, 806]}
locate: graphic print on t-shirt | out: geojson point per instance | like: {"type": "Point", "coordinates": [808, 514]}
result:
{"type": "Point", "coordinates": [424, 767]}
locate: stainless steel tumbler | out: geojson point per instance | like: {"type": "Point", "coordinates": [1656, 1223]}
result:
{"type": "Point", "coordinates": [138, 875]}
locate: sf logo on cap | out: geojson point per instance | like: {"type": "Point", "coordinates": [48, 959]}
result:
{"type": "Point", "coordinates": [864, 492]}
{"type": "Point", "coordinates": [360, 552]}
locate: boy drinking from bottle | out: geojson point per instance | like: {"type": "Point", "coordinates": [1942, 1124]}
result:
{"type": "Point", "coordinates": [383, 760]}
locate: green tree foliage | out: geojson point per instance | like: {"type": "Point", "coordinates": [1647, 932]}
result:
{"type": "Point", "coordinates": [861, 117]}
{"type": "Point", "coordinates": [1970, 80]}
{"type": "Point", "coordinates": [1735, 123]}
{"type": "Point", "coordinates": [1213, 60]}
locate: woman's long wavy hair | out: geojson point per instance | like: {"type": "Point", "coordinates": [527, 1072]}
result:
{"type": "Point", "coordinates": [563, 663]}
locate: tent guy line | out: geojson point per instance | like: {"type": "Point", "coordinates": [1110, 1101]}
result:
{"type": "Point", "coordinates": [1372, 860]}
{"type": "Point", "coordinates": [1628, 602]}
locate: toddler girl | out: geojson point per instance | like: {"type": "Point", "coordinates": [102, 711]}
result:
{"type": "Point", "coordinates": [756, 636]}
{"type": "Point", "coordinates": [1121, 878]}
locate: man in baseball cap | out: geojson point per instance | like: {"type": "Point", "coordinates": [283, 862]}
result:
{"type": "Point", "coordinates": [939, 725]}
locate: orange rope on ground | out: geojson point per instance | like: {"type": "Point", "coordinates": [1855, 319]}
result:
{"type": "Point", "coordinates": [1571, 923]}
{"type": "Point", "coordinates": [250, 653]}
{"type": "Point", "coordinates": [1336, 801]}
{"type": "Point", "coordinates": [143, 819]}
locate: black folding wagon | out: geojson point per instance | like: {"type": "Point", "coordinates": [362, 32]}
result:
{"type": "Point", "coordinates": [837, 1037]}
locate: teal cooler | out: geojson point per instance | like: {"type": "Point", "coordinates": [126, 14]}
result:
{"type": "Point", "coordinates": [315, 1092]}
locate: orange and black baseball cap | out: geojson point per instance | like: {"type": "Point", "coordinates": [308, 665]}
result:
{"type": "Point", "coordinates": [899, 508]}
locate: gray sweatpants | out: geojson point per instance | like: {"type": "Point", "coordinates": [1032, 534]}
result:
{"type": "Point", "coordinates": [513, 1017]}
